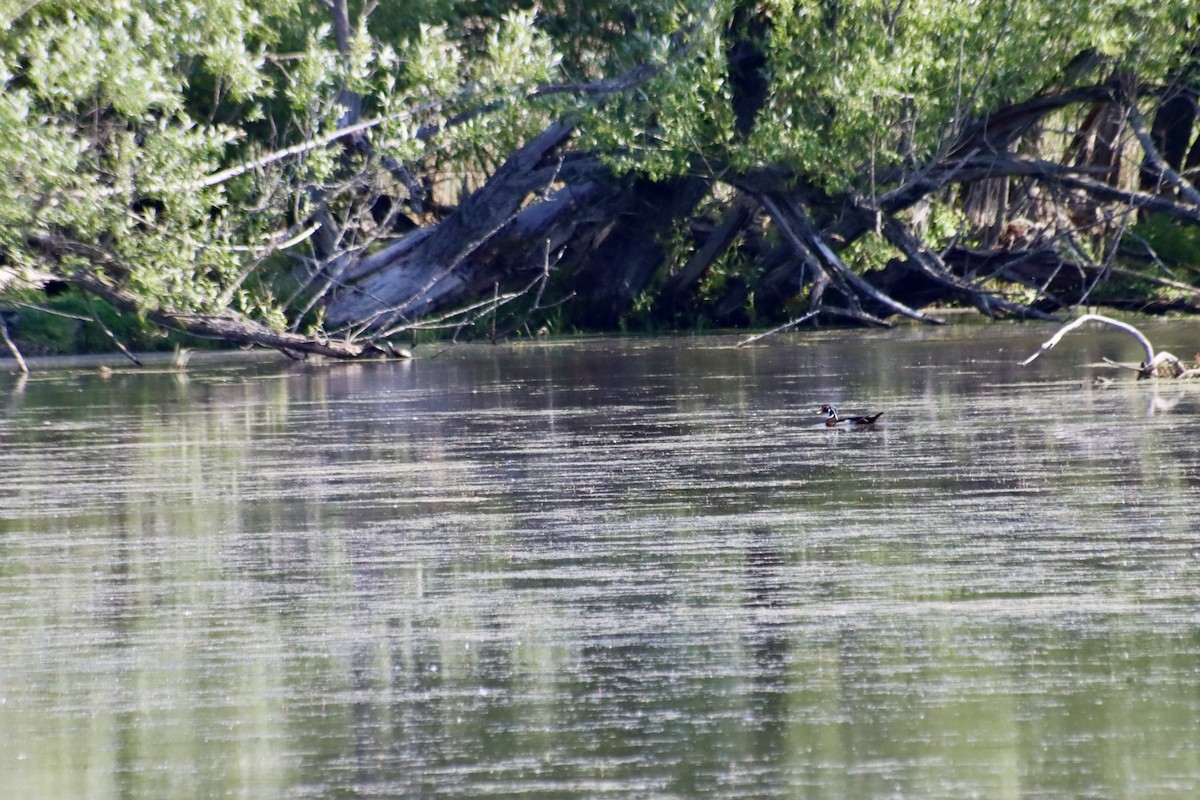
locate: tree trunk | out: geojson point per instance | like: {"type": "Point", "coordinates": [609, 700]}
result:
{"type": "Point", "coordinates": [434, 267]}
{"type": "Point", "coordinates": [625, 251]}
{"type": "Point", "coordinates": [746, 63]}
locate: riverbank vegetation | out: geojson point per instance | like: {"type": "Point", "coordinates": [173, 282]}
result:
{"type": "Point", "coordinates": [340, 177]}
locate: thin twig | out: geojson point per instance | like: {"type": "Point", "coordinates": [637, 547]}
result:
{"type": "Point", "coordinates": [120, 346]}
{"type": "Point", "coordinates": [800, 320]}
{"type": "Point", "coordinates": [124, 350]}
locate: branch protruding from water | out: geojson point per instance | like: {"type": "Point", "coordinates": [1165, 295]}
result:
{"type": "Point", "coordinates": [12, 348]}
{"type": "Point", "coordinates": [1162, 363]}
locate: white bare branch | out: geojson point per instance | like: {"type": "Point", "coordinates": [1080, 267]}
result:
{"type": "Point", "coordinates": [1116, 323]}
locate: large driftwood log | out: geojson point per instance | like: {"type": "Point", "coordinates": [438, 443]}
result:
{"type": "Point", "coordinates": [25, 279]}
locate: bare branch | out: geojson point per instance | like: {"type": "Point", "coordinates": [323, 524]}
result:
{"type": "Point", "coordinates": [1164, 364]}
{"type": "Point", "coordinates": [1116, 323]}
{"type": "Point", "coordinates": [113, 338]}
{"type": "Point", "coordinates": [260, 253]}
{"type": "Point", "coordinates": [12, 347]}
{"type": "Point", "coordinates": [930, 264]}
{"type": "Point", "coordinates": [227, 326]}
{"type": "Point", "coordinates": [800, 320]}
{"type": "Point", "coordinates": [630, 80]}
{"type": "Point", "coordinates": [811, 246]}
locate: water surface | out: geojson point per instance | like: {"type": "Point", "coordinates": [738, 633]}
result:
{"type": "Point", "coordinates": [628, 568]}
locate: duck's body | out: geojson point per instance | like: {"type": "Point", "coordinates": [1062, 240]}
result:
{"type": "Point", "coordinates": [833, 419]}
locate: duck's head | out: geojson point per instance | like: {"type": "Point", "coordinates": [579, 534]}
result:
{"type": "Point", "coordinates": [829, 411]}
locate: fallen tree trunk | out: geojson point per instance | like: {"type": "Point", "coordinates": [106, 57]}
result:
{"type": "Point", "coordinates": [607, 233]}
{"type": "Point", "coordinates": [418, 277]}
{"type": "Point", "coordinates": [816, 252]}
{"type": "Point", "coordinates": [717, 243]}
{"type": "Point", "coordinates": [235, 329]}
{"type": "Point", "coordinates": [227, 326]}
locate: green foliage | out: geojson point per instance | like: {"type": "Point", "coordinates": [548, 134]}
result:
{"type": "Point", "coordinates": [854, 91]}
{"type": "Point", "coordinates": [100, 152]}
{"type": "Point", "coordinates": [107, 145]}
{"type": "Point", "coordinates": [1175, 244]}
{"type": "Point", "coordinates": [944, 224]}
{"type": "Point", "coordinates": [68, 324]}
{"type": "Point", "coordinates": [869, 252]}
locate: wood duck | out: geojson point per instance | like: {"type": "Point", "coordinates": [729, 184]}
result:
{"type": "Point", "coordinates": [832, 418]}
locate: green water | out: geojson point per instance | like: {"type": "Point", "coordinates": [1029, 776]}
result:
{"type": "Point", "coordinates": [626, 568]}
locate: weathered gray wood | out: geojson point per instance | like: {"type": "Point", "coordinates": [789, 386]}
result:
{"type": "Point", "coordinates": [929, 264]}
{"type": "Point", "coordinates": [809, 244]}
{"type": "Point", "coordinates": [1162, 363]}
{"type": "Point", "coordinates": [12, 348]}
{"type": "Point", "coordinates": [415, 277]}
